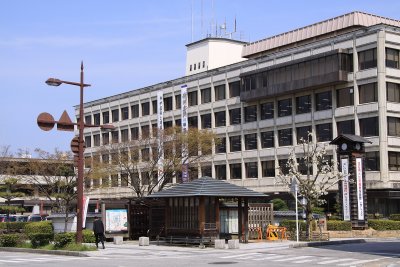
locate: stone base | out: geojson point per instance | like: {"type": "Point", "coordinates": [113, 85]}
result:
{"type": "Point", "coordinates": [219, 243]}
{"type": "Point", "coordinates": [144, 241]}
{"type": "Point", "coordinates": [233, 243]}
{"type": "Point", "coordinates": [118, 240]}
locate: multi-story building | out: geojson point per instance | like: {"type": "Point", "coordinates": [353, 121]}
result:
{"type": "Point", "coordinates": [341, 75]}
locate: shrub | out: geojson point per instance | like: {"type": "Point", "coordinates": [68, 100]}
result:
{"type": "Point", "coordinates": [88, 236]}
{"type": "Point", "coordinates": [394, 217]}
{"type": "Point", "coordinates": [383, 225]}
{"type": "Point", "coordinates": [39, 233]}
{"type": "Point", "coordinates": [334, 225]}
{"type": "Point", "coordinates": [10, 240]}
{"type": "Point", "coordinates": [291, 225]}
{"type": "Point", "coordinates": [63, 239]}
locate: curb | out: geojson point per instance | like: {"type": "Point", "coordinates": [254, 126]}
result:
{"type": "Point", "coordinates": [327, 243]}
{"type": "Point", "coordinates": [43, 251]}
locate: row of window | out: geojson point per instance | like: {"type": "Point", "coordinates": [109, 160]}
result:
{"type": "Point", "coordinates": [198, 66]}
{"type": "Point", "coordinates": [143, 109]}
{"type": "Point", "coordinates": [323, 132]}
{"type": "Point", "coordinates": [268, 169]}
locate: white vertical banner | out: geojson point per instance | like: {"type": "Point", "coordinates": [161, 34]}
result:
{"type": "Point", "coordinates": [185, 128]}
{"type": "Point", "coordinates": [160, 126]}
{"type": "Point", "coordinates": [85, 210]}
{"type": "Point", "coordinates": [345, 189]}
{"type": "Point", "coordinates": [360, 191]}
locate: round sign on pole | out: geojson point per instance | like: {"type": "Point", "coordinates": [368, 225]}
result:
{"type": "Point", "coordinates": [75, 145]}
{"type": "Point", "coordinates": [45, 121]}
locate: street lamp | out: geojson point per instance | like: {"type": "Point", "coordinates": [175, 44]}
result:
{"type": "Point", "coordinates": [46, 122]}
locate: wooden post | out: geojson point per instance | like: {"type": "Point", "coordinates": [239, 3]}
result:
{"type": "Point", "coordinates": [167, 216]}
{"type": "Point", "coordinates": [246, 219]}
{"type": "Point", "coordinates": [202, 215]}
{"type": "Point", "coordinates": [217, 222]}
{"type": "Point", "coordinates": [240, 218]}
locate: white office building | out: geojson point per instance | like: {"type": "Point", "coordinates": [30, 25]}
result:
{"type": "Point", "coordinates": [341, 75]}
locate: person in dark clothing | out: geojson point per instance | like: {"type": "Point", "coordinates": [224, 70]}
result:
{"type": "Point", "coordinates": [98, 230]}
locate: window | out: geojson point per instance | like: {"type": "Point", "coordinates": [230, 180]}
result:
{"type": "Point", "coordinates": [124, 135]}
{"type": "Point", "coordinates": [393, 126]}
{"type": "Point", "coordinates": [267, 110]}
{"type": "Point", "coordinates": [106, 139]}
{"type": "Point", "coordinates": [193, 122]}
{"type": "Point", "coordinates": [88, 119]}
{"type": "Point", "coordinates": [106, 117]}
{"type": "Point", "coordinates": [194, 66]}
{"type": "Point", "coordinates": [234, 89]}
{"type": "Point", "coordinates": [345, 127]}
{"type": "Point", "coordinates": [96, 119]}
{"type": "Point", "coordinates": [250, 113]}
{"type": "Point", "coordinates": [323, 101]}
{"type": "Point", "coordinates": [303, 104]}
{"type": "Point", "coordinates": [345, 97]}
{"type": "Point", "coordinates": [235, 116]}
{"type": "Point", "coordinates": [392, 58]}
{"type": "Point", "coordinates": [369, 127]}
{"type": "Point", "coordinates": [283, 166]}
{"type": "Point", "coordinates": [235, 143]}
{"type": "Point", "coordinates": [96, 139]}
{"type": "Point", "coordinates": [177, 101]}
{"type": "Point", "coordinates": [302, 134]}
{"type": "Point", "coordinates": [178, 122]}
{"type": "Point", "coordinates": [285, 137]}
{"type": "Point", "coordinates": [167, 124]}
{"type": "Point", "coordinates": [206, 121]}
{"type": "Point", "coordinates": [205, 95]}
{"type": "Point", "coordinates": [220, 118]}
{"type": "Point", "coordinates": [135, 111]}
{"type": "Point", "coordinates": [154, 104]}
{"type": "Point", "coordinates": [250, 141]}
{"type": "Point", "coordinates": [135, 133]}
{"type": "Point", "coordinates": [204, 65]}
{"type": "Point", "coordinates": [125, 113]}
{"type": "Point", "coordinates": [220, 172]}
{"type": "Point", "coordinates": [367, 59]}
{"type": "Point", "coordinates": [105, 158]}
{"type": "Point", "coordinates": [145, 154]}
{"type": "Point", "coordinates": [114, 137]}
{"type": "Point", "coordinates": [124, 179]}
{"type": "Point", "coordinates": [115, 115]}
{"type": "Point", "coordinates": [393, 92]}
{"type": "Point", "coordinates": [394, 161]}
{"type": "Point", "coordinates": [192, 98]}
{"type": "Point", "coordinates": [285, 107]}
{"type": "Point", "coordinates": [324, 132]}
{"type": "Point", "coordinates": [221, 146]}
{"type": "Point", "coordinates": [268, 168]}
{"type": "Point", "coordinates": [368, 92]}
{"type": "Point", "coordinates": [302, 166]}
{"type": "Point", "coordinates": [145, 131]}
{"type": "Point", "coordinates": [168, 103]}
{"type": "Point", "coordinates": [145, 109]}
{"type": "Point", "coordinates": [114, 180]}
{"type": "Point", "coordinates": [372, 161]}
{"type": "Point", "coordinates": [206, 171]}
{"type": "Point", "coordinates": [219, 92]}
{"type": "Point", "coordinates": [251, 169]}
{"type": "Point", "coordinates": [190, 69]}
{"type": "Point", "coordinates": [236, 170]}
{"type": "Point", "coordinates": [88, 141]}
{"type": "Point", "coordinates": [267, 139]}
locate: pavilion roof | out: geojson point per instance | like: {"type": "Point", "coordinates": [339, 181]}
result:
{"type": "Point", "coordinates": [207, 186]}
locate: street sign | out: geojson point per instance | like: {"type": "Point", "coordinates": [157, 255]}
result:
{"type": "Point", "coordinates": [45, 121]}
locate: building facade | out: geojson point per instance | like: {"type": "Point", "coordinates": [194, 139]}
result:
{"type": "Point", "coordinates": [337, 76]}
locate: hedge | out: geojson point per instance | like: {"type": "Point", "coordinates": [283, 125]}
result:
{"type": "Point", "coordinates": [394, 217]}
{"type": "Point", "coordinates": [291, 225]}
{"type": "Point", "coordinates": [88, 236]}
{"type": "Point", "coordinates": [383, 225]}
{"type": "Point", "coordinates": [10, 240]}
{"type": "Point", "coordinates": [13, 225]}
{"type": "Point", "coordinates": [63, 239]}
{"type": "Point", "coordinates": [39, 233]}
{"type": "Point", "coordinates": [333, 225]}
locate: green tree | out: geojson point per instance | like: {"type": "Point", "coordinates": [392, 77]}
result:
{"type": "Point", "coordinates": [9, 190]}
{"type": "Point", "coordinates": [279, 204]}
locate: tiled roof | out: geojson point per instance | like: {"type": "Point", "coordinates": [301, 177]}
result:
{"type": "Point", "coordinates": [353, 19]}
{"type": "Point", "coordinates": [206, 186]}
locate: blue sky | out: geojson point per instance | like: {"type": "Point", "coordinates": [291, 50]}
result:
{"type": "Point", "coordinates": [125, 45]}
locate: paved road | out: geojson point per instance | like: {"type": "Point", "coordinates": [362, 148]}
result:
{"type": "Point", "coordinates": [371, 254]}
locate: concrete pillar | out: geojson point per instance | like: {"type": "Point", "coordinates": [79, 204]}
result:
{"type": "Point", "coordinates": [219, 243]}
{"type": "Point", "coordinates": [144, 241]}
{"type": "Point", "coordinates": [233, 244]}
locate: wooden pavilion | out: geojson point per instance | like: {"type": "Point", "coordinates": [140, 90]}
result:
{"type": "Point", "coordinates": [192, 208]}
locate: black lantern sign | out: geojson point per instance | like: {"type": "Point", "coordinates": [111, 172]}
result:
{"type": "Point", "coordinates": [351, 154]}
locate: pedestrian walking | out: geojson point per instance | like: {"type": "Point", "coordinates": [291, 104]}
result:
{"type": "Point", "coordinates": [98, 230]}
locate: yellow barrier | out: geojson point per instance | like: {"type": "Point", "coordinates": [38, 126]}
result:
{"type": "Point", "coordinates": [276, 232]}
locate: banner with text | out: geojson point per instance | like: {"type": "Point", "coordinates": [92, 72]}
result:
{"type": "Point", "coordinates": [345, 189]}
{"type": "Point", "coordinates": [360, 191]}
{"type": "Point", "coordinates": [185, 128]}
{"type": "Point", "coordinates": [160, 126]}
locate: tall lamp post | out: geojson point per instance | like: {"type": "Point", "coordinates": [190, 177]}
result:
{"type": "Point", "coordinates": [46, 122]}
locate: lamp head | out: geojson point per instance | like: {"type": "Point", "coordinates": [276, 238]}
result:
{"type": "Point", "coordinates": [53, 82]}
